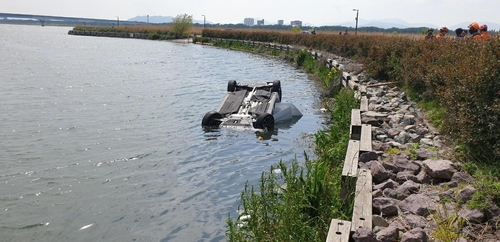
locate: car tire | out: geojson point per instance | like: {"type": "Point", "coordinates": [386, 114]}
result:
{"type": "Point", "coordinates": [211, 119]}
{"type": "Point", "coordinates": [277, 88]}
{"type": "Point", "coordinates": [264, 121]}
{"type": "Point", "coordinates": [231, 86]}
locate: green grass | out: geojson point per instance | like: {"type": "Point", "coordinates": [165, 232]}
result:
{"type": "Point", "coordinates": [434, 111]}
{"type": "Point", "coordinates": [301, 200]}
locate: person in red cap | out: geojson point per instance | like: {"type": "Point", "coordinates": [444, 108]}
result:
{"type": "Point", "coordinates": [474, 31]}
{"type": "Point", "coordinates": [442, 32]}
{"type": "Point", "coordinates": [484, 32]}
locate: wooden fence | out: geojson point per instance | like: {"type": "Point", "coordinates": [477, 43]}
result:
{"type": "Point", "coordinates": [360, 141]}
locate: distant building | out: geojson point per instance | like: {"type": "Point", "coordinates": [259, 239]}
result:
{"type": "Point", "coordinates": [260, 22]}
{"type": "Point", "coordinates": [280, 22]}
{"type": "Point", "coordinates": [296, 23]}
{"type": "Point", "coordinates": [248, 21]}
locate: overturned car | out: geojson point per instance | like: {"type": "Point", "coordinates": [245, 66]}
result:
{"type": "Point", "coordinates": [254, 105]}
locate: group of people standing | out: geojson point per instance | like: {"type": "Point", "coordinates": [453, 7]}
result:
{"type": "Point", "coordinates": [475, 30]}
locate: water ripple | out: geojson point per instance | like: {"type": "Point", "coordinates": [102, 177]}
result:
{"type": "Point", "coordinates": [103, 136]}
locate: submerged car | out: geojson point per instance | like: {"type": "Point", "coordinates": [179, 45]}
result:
{"type": "Point", "coordinates": [254, 105]}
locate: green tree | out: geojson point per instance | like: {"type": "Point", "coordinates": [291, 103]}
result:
{"type": "Point", "coordinates": [181, 24]}
{"type": "Point", "coordinates": [296, 29]}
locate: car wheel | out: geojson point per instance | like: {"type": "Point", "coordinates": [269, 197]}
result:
{"type": "Point", "coordinates": [277, 88]}
{"type": "Point", "coordinates": [264, 121]}
{"type": "Point", "coordinates": [231, 86]}
{"type": "Point", "coordinates": [211, 119]}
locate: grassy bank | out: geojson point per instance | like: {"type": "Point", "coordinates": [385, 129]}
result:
{"type": "Point", "coordinates": [298, 200]}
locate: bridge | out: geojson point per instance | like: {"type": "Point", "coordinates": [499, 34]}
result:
{"type": "Point", "coordinates": [45, 19]}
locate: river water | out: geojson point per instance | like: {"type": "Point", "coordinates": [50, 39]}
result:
{"type": "Point", "coordinates": [100, 138]}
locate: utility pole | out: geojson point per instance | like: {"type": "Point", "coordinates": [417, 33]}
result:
{"type": "Point", "coordinates": [117, 21]}
{"type": "Point", "coordinates": [148, 18]}
{"type": "Point", "coordinates": [203, 20]}
{"type": "Point", "coordinates": [357, 14]}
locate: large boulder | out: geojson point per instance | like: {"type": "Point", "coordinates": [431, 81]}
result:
{"type": "Point", "coordinates": [418, 204]}
{"type": "Point", "coordinates": [440, 169]}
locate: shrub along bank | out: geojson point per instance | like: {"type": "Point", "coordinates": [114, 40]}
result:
{"type": "Point", "coordinates": [458, 80]}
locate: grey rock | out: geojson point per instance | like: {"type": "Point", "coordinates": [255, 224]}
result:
{"type": "Point", "coordinates": [474, 216]}
{"type": "Point", "coordinates": [410, 186]}
{"type": "Point", "coordinates": [376, 115]}
{"type": "Point", "coordinates": [414, 138]}
{"type": "Point", "coordinates": [406, 176]}
{"type": "Point", "coordinates": [462, 177]}
{"type": "Point", "coordinates": [379, 221]}
{"type": "Point", "coordinates": [424, 154]}
{"type": "Point", "coordinates": [379, 146]}
{"type": "Point", "coordinates": [388, 234]}
{"type": "Point", "coordinates": [418, 204]}
{"type": "Point", "coordinates": [392, 193]}
{"type": "Point", "coordinates": [379, 173]}
{"type": "Point", "coordinates": [372, 121]}
{"type": "Point", "coordinates": [422, 131]}
{"type": "Point", "coordinates": [395, 144]}
{"type": "Point", "coordinates": [415, 235]}
{"type": "Point", "coordinates": [402, 163]}
{"type": "Point", "coordinates": [408, 119]}
{"type": "Point", "coordinates": [388, 166]}
{"type": "Point", "coordinates": [427, 141]}
{"type": "Point", "coordinates": [423, 178]}
{"type": "Point", "coordinates": [377, 193]}
{"type": "Point", "coordinates": [384, 185]}
{"type": "Point", "coordinates": [385, 206]}
{"type": "Point", "coordinates": [416, 221]}
{"type": "Point", "coordinates": [441, 169]}
{"type": "Point", "coordinates": [368, 156]}
{"type": "Point", "coordinates": [402, 137]}
{"type": "Point", "coordinates": [364, 235]}
{"type": "Point", "coordinates": [465, 194]}
{"type": "Point", "coordinates": [393, 132]}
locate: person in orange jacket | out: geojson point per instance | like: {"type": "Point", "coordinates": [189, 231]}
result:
{"type": "Point", "coordinates": [474, 31]}
{"type": "Point", "coordinates": [484, 32]}
{"type": "Point", "coordinates": [442, 32]}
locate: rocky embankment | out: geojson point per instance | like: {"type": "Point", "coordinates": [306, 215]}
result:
{"type": "Point", "coordinates": [418, 188]}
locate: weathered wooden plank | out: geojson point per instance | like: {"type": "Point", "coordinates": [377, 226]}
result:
{"type": "Point", "coordinates": [362, 90]}
{"type": "Point", "coordinates": [364, 104]}
{"type": "Point", "coordinates": [362, 212]}
{"type": "Point", "coordinates": [339, 231]}
{"type": "Point", "coordinates": [346, 76]}
{"type": "Point", "coordinates": [351, 159]}
{"type": "Point", "coordinates": [355, 117]}
{"type": "Point", "coordinates": [366, 138]}
{"type": "Point", "coordinates": [354, 78]}
{"type": "Point", "coordinates": [355, 132]}
{"type": "Point", "coordinates": [353, 85]}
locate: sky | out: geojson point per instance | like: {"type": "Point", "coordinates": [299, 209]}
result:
{"type": "Point", "coordinates": [313, 12]}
